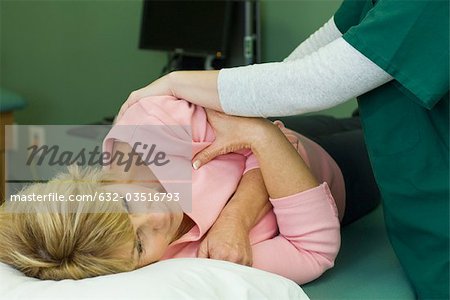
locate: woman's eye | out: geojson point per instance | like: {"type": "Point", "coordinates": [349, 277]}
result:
{"type": "Point", "coordinates": [139, 247]}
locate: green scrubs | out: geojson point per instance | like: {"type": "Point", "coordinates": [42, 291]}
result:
{"type": "Point", "coordinates": [406, 127]}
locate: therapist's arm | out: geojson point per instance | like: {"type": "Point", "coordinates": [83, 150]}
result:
{"type": "Point", "coordinates": [270, 146]}
{"type": "Point", "coordinates": [323, 36]}
{"type": "Point", "coordinates": [327, 77]}
{"type": "Point", "coordinates": [228, 239]}
{"type": "Point", "coordinates": [200, 87]}
{"type": "Point", "coordinates": [273, 149]}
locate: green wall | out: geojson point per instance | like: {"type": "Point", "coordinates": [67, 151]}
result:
{"type": "Point", "coordinates": [76, 61]}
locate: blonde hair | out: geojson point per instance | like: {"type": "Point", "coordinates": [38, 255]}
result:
{"type": "Point", "coordinates": [66, 240]}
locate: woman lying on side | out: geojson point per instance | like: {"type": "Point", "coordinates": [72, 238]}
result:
{"type": "Point", "coordinates": [281, 188]}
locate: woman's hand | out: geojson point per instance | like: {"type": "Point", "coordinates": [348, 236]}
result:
{"type": "Point", "coordinates": [228, 239]}
{"type": "Point", "coordinates": [232, 134]}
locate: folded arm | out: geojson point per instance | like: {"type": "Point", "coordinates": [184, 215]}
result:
{"type": "Point", "coordinates": [309, 238]}
{"type": "Point", "coordinates": [307, 217]}
{"type": "Point", "coordinates": [228, 239]}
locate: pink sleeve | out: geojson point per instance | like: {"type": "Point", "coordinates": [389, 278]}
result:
{"type": "Point", "coordinates": [309, 236]}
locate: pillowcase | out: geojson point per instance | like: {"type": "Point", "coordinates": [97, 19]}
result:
{"type": "Point", "coordinates": [180, 278]}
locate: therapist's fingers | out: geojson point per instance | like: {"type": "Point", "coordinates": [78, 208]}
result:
{"type": "Point", "coordinates": [159, 87]}
{"type": "Point", "coordinates": [230, 137]}
{"type": "Point", "coordinates": [205, 156]}
{"type": "Point", "coordinates": [132, 98]}
{"type": "Point", "coordinates": [220, 146]}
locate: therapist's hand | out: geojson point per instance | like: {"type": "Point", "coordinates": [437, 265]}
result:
{"type": "Point", "coordinates": [228, 239]}
{"type": "Point", "coordinates": [197, 87]}
{"type": "Point", "coordinates": [232, 134]}
{"type": "Point", "coordinates": [159, 87]}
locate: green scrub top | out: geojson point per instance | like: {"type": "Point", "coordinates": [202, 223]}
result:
{"type": "Point", "coordinates": [406, 127]}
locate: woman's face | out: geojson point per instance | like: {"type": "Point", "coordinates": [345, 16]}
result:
{"type": "Point", "coordinates": [155, 223]}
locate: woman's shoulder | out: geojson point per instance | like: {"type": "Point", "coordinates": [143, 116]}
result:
{"type": "Point", "coordinates": [167, 110]}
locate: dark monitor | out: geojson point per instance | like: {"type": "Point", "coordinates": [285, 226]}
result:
{"type": "Point", "coordinates": [195, 27]}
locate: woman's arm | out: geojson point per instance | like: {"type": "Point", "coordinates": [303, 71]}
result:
{"type": "Point", "coordinates": [228, 239]}
{"type": "Point", "coordinates": [250, 202]}
{"type": "Point", "coordinates": [309, 238]}
{"type": "Point", "coordinates": [306, 214]}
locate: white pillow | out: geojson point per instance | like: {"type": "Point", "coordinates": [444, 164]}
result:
{"type": "Point", "coordinates": [181, 278]}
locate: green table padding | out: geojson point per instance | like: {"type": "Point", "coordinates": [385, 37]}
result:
{"type": "Point", "coordinates": [10, 101]}
{"type": "Point", "coordinates": [366, 267]}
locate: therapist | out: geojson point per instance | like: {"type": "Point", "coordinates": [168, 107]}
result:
{"type": "Point", "coordinates": [394, 57]}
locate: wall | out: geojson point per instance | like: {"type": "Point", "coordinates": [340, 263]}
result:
{"type": "Point", "coordinates": [74, 62]}
{"type": "Point", "coordinates": [77, 61]}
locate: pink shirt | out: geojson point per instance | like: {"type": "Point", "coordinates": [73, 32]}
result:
{"type": "Point", "coordinates": [299, 239]}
